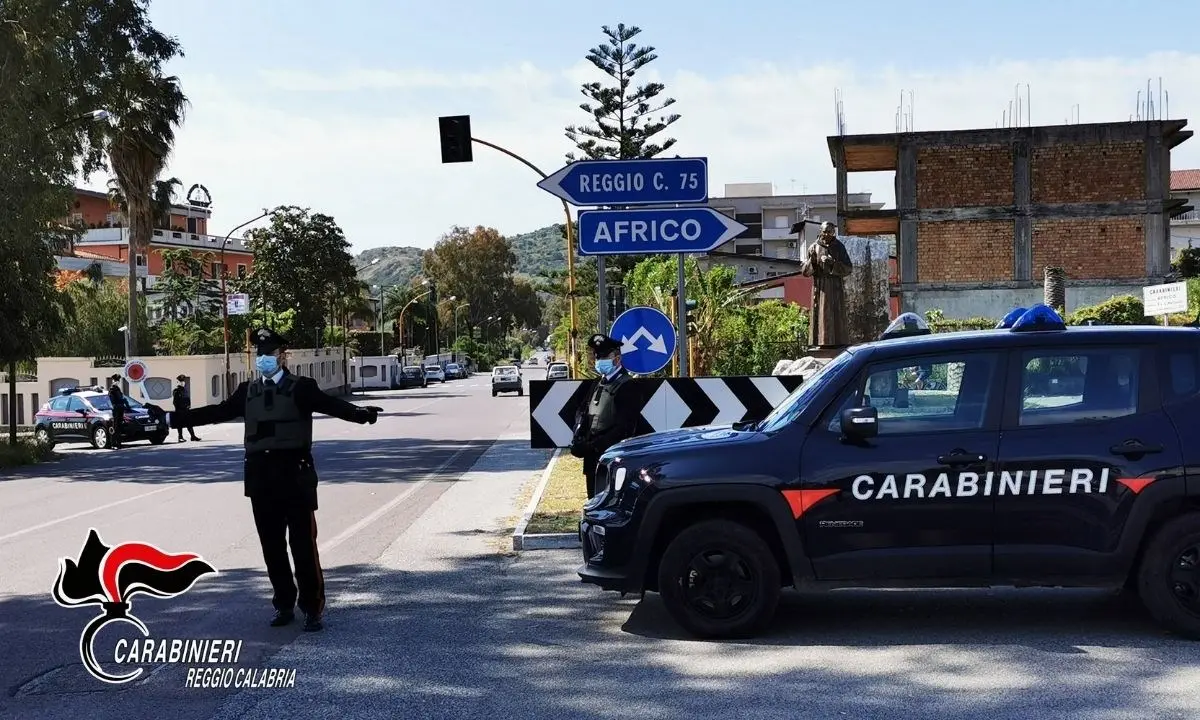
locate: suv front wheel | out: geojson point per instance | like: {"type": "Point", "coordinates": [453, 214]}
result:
{"type": "Point", "coordinates": [1169, 576]}
{"type": "Point", "coordinates": [719, 579]}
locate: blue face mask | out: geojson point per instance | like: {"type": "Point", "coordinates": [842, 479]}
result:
{"type": "Point", "coordinates": [267, 364]}
{"type": "Point", "coordinates": [605, 366]}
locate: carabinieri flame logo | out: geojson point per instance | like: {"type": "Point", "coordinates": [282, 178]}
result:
{"type": "Point", "coordinates": [110, 577]}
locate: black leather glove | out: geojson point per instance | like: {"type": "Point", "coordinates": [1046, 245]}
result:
{"type": "Point", "coordinates": [368, 414]}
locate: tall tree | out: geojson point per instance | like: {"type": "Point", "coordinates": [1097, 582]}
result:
{"type": "Point", "coordinates": [152, 107]}
{"type": "Point", "coordinates": [58, 61]}
{"type": "Point", "coordinates": [627, 118]}
{"type": "Point", "coordinates": [301, 262]}
{"type": "Point", "coordinates": [476, 266]}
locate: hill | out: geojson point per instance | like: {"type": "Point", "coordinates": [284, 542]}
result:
{"type": "Point", "coordinates": [538, 251]}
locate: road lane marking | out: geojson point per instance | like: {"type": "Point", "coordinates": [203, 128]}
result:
{"type": "Point", "coordinates": [89, 511]}
{"type": "Point", "coordinates": [380, 512]}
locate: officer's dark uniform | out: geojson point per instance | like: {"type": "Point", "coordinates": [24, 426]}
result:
{"type": "Point", "coordinates": [116, 398]}
{"type": "Point", "coordinates": [610, 417]}
{"type": "Point", "coordinates": [181, 402]}
{"type": "Point", "coordinates": [280, 475]}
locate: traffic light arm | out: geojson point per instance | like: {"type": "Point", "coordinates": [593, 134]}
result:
{"type": "Point", "coordinates": [456, 147]}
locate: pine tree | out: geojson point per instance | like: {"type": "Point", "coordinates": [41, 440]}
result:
{"type": "Point", "coordinates": [626, 118]}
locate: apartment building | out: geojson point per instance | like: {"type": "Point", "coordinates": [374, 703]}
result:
{"type": "Point", "coordinates": [1185, 226]}
{"type": "Point", "coordinates": [772, 245]}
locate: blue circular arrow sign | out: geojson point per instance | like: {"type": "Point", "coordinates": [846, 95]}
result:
{"type": "Point", "coordinates": [647, 338]}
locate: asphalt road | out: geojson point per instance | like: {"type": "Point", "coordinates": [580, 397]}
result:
{"type": "Point", "coordinates": [429, 618]}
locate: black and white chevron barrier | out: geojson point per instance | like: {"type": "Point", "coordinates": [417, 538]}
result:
{"type": "Point", "coordinates": [667, 403]}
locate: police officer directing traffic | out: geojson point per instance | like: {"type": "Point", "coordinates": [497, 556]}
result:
{"type": "Point", "coordinates": [612, 414]}
{"type": "Point", "coordinates": [280, 474]}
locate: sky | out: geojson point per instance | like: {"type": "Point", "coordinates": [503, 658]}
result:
{"type": "Point", "coordinates": [335, 106]}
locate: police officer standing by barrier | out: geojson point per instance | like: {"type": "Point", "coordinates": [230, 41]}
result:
{"type": "Point", "coordinates": [182, 402]}
{"type": "Point", "coordinates": [280, 475]}
{"type": "Point", "coordinates": [612, 414]}
{"type": "Point", "coordinates": [116, 398]}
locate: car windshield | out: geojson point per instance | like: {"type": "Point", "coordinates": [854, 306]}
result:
{"type": "Point", "coordinates": [411, 371]}
{"type": "Point", "coordinates": [786, 411]}
{"type": "Point", "coordinates": [506, 371]}
{"type": "Point", "coordinates": [432, 368]}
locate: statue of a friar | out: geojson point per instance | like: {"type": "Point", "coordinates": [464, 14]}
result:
{"type": "Point", "coordinates": [828, 264]}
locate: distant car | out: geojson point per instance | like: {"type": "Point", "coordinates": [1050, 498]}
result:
{"type": "Point", "coordinates": [455, 371]}
{"type": "Point", "coordinates": [507, 378]}
{"type": "Point", "coordinates": [557, 371]}
{"type": "Point", "coordinates": [85, 415]}
{"type": "Point", "coordinates": [412, 376]}
{"type": "Point", "coordinates": [435, 372]}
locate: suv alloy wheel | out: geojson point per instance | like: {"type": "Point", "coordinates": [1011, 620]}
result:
{"type": "Point", "coordinates": [101, 438]}
{"type": "Point", "coordinates": [719, 579]}
{"type": "Point", "coordinates": [43, 436]}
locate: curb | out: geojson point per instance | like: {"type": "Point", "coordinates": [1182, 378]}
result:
{"type": "Point", "coordinates": [542, 541]}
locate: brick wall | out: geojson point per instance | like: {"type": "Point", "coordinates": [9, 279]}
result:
{"type": "Point", "coordinates": [1093, 248]}
{"type": "Point", "coordinates": [1091, 173]}
{"type": "Point", "coordinates": [970, 176]}
{"type": "Point", "coordinates": [965, 251]}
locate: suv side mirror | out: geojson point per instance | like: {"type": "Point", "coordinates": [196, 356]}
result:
{"type": "Point", "coordinates": [860, 423]}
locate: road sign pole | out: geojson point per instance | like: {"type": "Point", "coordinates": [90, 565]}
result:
{"type": "Point", "coordinates": [674, 314]}
{"type": "Point", "coordinates": [681, 318]}
{"type": "Point", "coordinates": [602, 289]}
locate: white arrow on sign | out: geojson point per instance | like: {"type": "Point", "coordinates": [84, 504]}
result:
{"type": "Point", "coordinates": [666, 410]}
{"type": "Point", "coordinates": [729, 408]}
{"type": "Point", "coordinates": [771, 389]}
{"type": "Point", "coordinates": [546, 413]}
{"type": "Point", "coordinates": [657, 344]}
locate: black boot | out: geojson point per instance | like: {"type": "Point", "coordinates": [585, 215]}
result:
{"type": "Point", "coordinates": [282, 617]}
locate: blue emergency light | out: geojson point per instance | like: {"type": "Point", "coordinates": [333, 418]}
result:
{"type": "Point", "coordinates": [1012, 316]}
{"type": "Point", "coordinates": [1040, 317]}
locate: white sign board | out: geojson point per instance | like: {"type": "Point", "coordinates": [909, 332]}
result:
{"type": "Point", "coordinates": [1165, 299]}
{"type": "Point", "coordinates": [238, 304]}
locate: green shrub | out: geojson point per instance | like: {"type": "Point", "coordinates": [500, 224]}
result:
{"type": "Point", "coordinates": [1117, 310]}
{"type": "Point", "coordinates": [25, 452]}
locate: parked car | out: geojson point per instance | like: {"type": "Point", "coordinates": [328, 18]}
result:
{"type": "Point", "coordinates": [507, 378]}
{"type": "Point", "coordinates": [435, 372]}
{"type": "Point", "coordinates": [412, 376]}
{"type": "Point", "coordinates": [85, 415]}
{"type": "Point", "coordinates": [557, 371]}
{"type": "Point", "coordinates": [455, 371]}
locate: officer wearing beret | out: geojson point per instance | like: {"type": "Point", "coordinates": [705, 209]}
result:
{"type": "Point", "coordinates": [612, 414]}
{"type": "Point", "coordinates": [280, 475]}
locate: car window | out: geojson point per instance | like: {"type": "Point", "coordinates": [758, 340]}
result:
{"type": "Point", "coordinates": [1083, 386]}
{"type": "Point", "coordinates": [791, 407]}
{"type": "Point", "coordinates": [1183, 375]}
{"type": "Point", "coordinates": [76, 403]}
{"type": "Point", "coordinates": [60, 403]}
{"type": "Point", "coordinates": [929, 394]}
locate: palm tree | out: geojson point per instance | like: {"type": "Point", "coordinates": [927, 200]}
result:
{"type": "Point", "coordinates": [151, 107]}
{"type": "Point", "coordinates": [163, 198]}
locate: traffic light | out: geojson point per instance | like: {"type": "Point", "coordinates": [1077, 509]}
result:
{"type": "Point", "coordinates": [456, 138]}
{"type": "Point", "coordinates": [616, 301]}
{"type": "Point", "coordinates": [691, 314]}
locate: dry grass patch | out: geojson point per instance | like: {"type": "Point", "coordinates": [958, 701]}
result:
{"type": "Point", "coordinates": [566, 492]}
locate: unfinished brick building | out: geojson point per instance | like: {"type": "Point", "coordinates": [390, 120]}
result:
{"type": "Point", "coordinates": [981, 213]}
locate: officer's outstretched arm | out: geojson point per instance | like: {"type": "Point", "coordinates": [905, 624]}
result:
{"type": "Point", "coordinates": [311, 397]}
{"type": "Point", "coordinates": [228, 409]}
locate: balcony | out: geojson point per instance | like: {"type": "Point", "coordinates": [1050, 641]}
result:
{"type": "Point", "coordinates": [116, 235]}
{"type": "Point", "coordinates": [779, 234]}
{"type": "Point", "coordinates": [1190, 216]}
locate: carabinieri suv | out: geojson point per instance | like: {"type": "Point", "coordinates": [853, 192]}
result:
{"type": "Point", "coordinates": [1029, 455]}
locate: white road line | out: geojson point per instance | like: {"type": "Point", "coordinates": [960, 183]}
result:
{"type": "Point", "coordinates": [89, 511]}
{"type": "Point", "coordinates": [380, 512]}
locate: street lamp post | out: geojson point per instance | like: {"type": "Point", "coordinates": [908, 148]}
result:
{"type": "Point", "coordinates": [437, 321]}
{"type": "Point", "coordinates": [225, 298]}
{"type": "Point", "coordinates": [401, 318]}
{"type": "Point", "coordinates": [460, 307]}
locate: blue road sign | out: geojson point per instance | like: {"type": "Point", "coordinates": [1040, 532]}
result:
{"type": "Point", "coordinates": [647, 339]}
{"type": "Point", "coordinates": [659, 230]}
{"type": "Point", "coordinates": [631, 182]}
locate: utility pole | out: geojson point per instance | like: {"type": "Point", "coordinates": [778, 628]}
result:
{"type": "Point", "coordinates": [681, 316]}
